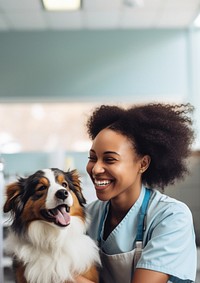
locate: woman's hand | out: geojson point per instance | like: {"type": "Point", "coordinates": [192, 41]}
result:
{"type": "Point", "coordinates": [81, 279]}
{"type": "Point", "coordinates": [149, 276]}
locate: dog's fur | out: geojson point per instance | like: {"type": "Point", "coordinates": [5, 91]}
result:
{"type": "Point", "coordinates": [47, 236]}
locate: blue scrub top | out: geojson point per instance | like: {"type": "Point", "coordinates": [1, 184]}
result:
{"type": "Point", "coordinates": [169, 239]}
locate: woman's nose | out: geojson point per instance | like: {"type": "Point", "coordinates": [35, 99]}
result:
{"type": "Point", "coordinates": [98, 168]}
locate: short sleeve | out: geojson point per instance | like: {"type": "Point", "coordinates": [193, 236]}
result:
{"type": "Point", "coordinates": [171, 247]}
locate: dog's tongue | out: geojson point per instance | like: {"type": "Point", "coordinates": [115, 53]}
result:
{"type": "Point", "coordinates": [62, 217]}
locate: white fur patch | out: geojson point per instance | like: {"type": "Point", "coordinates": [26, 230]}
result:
{"type": "Point", "coordinates": [51, 200]}
{"type": "Point", "coordinates": [52, 254]}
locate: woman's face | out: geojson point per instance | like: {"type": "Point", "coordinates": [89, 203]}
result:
{"type": "Point", "coordinates": [114, 166]}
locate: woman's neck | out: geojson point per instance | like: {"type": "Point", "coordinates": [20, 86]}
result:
{"type": "Point", "coordinates": [121, 204]}
{"type": "Point", "coordinates": [118, 209]}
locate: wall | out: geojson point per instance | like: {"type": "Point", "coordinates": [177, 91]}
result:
{"type": "Point", "coordinates": [123, 65]}
{"type": "Point", "coordinates": [27, 162]}
{"type": "Point", "coordinates": [111, 65]}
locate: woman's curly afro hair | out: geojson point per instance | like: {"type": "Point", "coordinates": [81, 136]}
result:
{"type": "Point", "coordinates": [162, 131]}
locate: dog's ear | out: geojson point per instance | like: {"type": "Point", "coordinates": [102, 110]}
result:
{"type": "Point", "coordinates": [13, 200]}
{"type": "Point", "coordinates": [75, 185]}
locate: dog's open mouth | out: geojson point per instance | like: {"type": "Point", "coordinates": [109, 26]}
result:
{"type": "Point", "coordinates": [59, 215]}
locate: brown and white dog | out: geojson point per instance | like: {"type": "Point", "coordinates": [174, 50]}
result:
{"type": "Point", "coordinates": [47, 236]}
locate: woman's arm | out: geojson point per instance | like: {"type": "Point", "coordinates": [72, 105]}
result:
{"type": "Point", "coordinates": [149, 276]}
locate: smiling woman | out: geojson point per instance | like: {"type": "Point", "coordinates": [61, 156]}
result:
{"type": "Point", "coordinates": [140, 231]}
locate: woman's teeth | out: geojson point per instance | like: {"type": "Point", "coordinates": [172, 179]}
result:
{"type": "Point", "coordinates": [102, 183]}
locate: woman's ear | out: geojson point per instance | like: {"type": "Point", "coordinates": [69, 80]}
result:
{"type": "Point", "coordinates": [145, 161]}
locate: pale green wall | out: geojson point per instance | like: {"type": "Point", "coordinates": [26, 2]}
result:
{"type": "Point", "coordinates": [112, 65]}
{"type": "Point", "coordinates": [25, 163]}
{"type": "Point", "coordinates": [106, 66]}
{"type": "Point", "coordinates": [94, 65]}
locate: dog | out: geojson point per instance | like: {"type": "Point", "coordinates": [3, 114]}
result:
{"type": "Point", "coordinates": [47, 236]}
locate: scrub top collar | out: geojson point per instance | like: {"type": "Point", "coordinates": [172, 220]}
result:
{"type": "Point", "coordinates": [115, 242]}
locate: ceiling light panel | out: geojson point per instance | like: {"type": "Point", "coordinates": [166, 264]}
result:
{"type": "Point", "coordinates": [62, 5]}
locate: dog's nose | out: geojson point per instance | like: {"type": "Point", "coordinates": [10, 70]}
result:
{"type": "Point", "coordinates": [62, 194]}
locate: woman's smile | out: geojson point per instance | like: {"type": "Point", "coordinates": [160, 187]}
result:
{"type": "Point", "coordinates": [102, 184]}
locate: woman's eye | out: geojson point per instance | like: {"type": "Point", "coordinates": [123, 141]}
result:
{"type": "Point", "coordinates": [91, 158]}
{"type": "Point", "coordinates": [42, 188]}
{"type": "Point", "coordinates": [64, 185]}
{"type": "Point", "coordinates": [110, 160]}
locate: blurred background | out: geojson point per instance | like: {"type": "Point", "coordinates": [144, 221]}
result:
{"type": "Point", "coordinates": [57, 65]}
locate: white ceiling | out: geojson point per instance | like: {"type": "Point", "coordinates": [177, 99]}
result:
{"type": "Point", "coordinates": [98, 14]}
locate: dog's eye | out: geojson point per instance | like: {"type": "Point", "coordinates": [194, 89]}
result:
{"type": "Point", "coordinates": [42, 188]}
{"type": "Point", "coordinates": [64, 184]}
